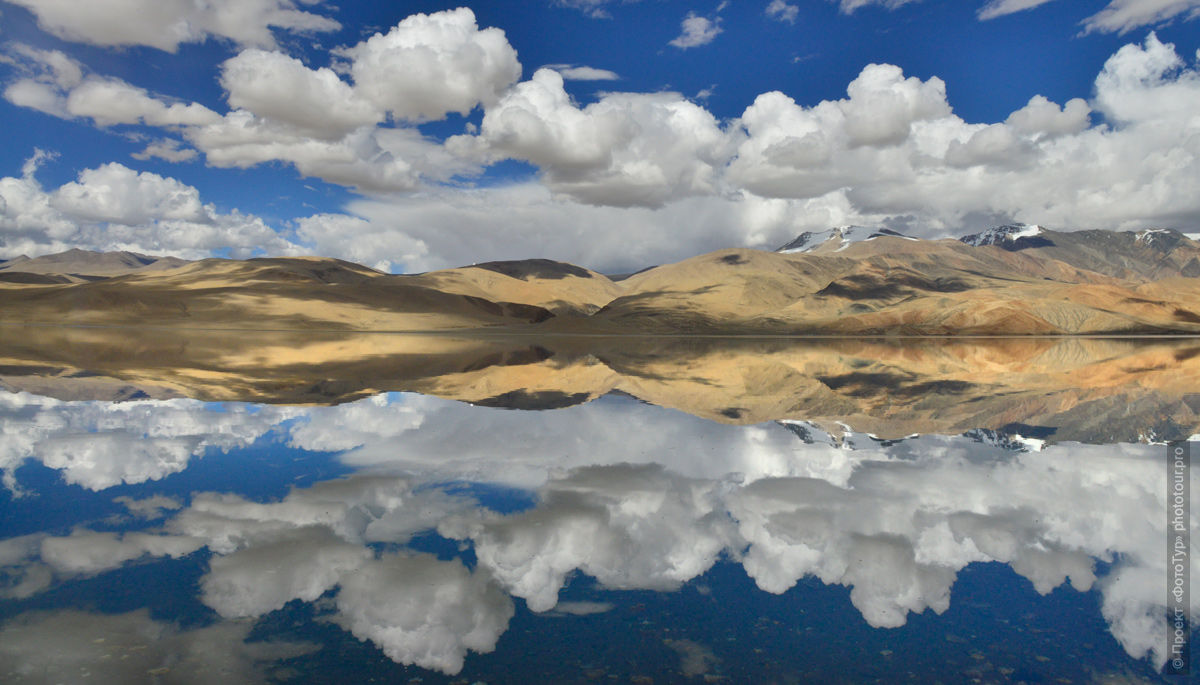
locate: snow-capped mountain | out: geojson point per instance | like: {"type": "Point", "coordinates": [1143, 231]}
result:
{"type": "Point", "coordinates": [1011, 440]}
{"type": "Point", "coordinates": [837, 239]}
{"type": "Point", "coordinates": [1004, 235]}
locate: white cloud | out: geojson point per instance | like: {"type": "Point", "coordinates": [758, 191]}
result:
{"type": "Point", "coordinates": [88, 553]}
{"type": "Point", "coordinates": [114, 207]}
{"type": "Point", "coordinates": [98, 444]}
{"type": "Point", "coordinates": [56, 84]}
{"type": "Point", "coordinates": [431, 64]}
{"type": "Point", "coordinates": [626, 149]}
{"type": "Point", "coordinates": [302, 564]}
{"type": "Point", "coordinates": [1041, 117]}
{"type": "Point", "coordinates": [849, 6]}
{"type": "Point", "coordinates": [627, 164]}
{"type": "Point", "coordinates": [380, 246]}
{"type": "Point", "coordinates": [167, 149]}
{"type": "Point", "coordinates": [165, 24]}
{"type": "Point", "coordinates": [128, 648]}
{"type": "Point", "coordinates": [894, 148]}
{"type": "Point", "coordinates": [630, 527]}
{"type": "Point", "coordinates": [423, 611]}
{"type": "Point", "coordinates": [419, 610]}
{"type": "Point", "coordinates": [452, 228]}
{"type": "Point", "coordinates": [108, 102]}
{"type": "Point", "coordinates": [592, 8]}
{"type": "Point", "coordinates": [572, 72]}
{"type": "Point", "coordinates": [424, 68]}
{"type": "Point", "coordinates": [151, 507]}
{"type": "Point", "coordinates": [999, 8]}
{"type": "Point", "coordinates": [697, 31]}
{"type": "Point", "coordinates": [894, 523]}
{"type": "Point", "coordinates": [1122, 16]}
{"type": "Point", "coordinates": [275, 86]}
{"type": "Point", "coordinates": [43, 97]}
{"type": "Point", "coordinates": [781, 11]}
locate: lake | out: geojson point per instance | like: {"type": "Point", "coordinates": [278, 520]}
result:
{"type": "Point", "coordinates": [191, 506]}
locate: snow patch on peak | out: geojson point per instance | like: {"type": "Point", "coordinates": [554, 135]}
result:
{"type": "Point", "coordinates": [1002, 234]}
{"type": "Point", "coordinates": [1147, 236]}
{"type": "Point", "coordinates": [840, 238]}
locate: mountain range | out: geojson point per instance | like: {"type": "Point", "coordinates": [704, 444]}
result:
{"type": "Point", "coordinates": [850, 281]}
{"type": "Point", "coordinates": [1066, 388]}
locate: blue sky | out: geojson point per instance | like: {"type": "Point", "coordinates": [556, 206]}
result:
{"type": "Point", "coordinates": [615, 134]}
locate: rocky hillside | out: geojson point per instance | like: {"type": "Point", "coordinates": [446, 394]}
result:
{"type": "Point", "coordinates": [1011, 280]}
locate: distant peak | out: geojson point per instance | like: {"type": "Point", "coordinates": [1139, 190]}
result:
{"type": "Point", "coordinates": [1150, 235]}
{"type": "Point", "coordinates": [843, 235]}
{"type": "Point", "coordinates": [1000, 235]}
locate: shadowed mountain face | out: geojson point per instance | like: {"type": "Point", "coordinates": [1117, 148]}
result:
{"type": "Point", "coordinates": [83, 265]}
{"type": "Point", "coordinates": [1013, 280]}
{"type": "Point", "coordinates": [1064, 389]}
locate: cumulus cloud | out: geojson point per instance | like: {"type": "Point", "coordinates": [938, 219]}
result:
{"type": "Point", "coordinates": [894, 523]}
{"type": "Point", "coordinates": [424, 68]}
{"type": "Point", "coordinates": [696, 31]}
{"type": "Point", "coordinates": [892, 152]}
{"type": "Point", "coordinates": [98, 444]}
{"type": "Point", "coordinates": [113, 207]}
{"type": "Point", "coordinates": [165, 24]}
{"type": "Point", "coordinates": [894, 147]}
{"type": "Point", "coordinates": [431, 64]}
{"type": "Point", "coordinates": [417, 609]}
{"type": "Point", "coordinates": [627, 526]}
{"type": "Point", "coordinates": [126, 648]}
{"type": "Point", "coordinates": [781, 11]}
{"type": "Point", "coordinates": [275, 86]}
{"type": "Point", "coordinates": [302, 564]}
{"type": "Point", "coordinates": [423, 611]}
{"type": "Point", "coordinates": [626, 149]}
{"type": "Point", "coordinates": [1041, 117]}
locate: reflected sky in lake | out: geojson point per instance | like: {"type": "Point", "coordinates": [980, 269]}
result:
{"type": "Point", "coordinates": [403, 535]}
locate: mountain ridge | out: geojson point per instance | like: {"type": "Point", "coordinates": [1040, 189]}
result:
{"type": "Point", "coordinates": [852, 281]}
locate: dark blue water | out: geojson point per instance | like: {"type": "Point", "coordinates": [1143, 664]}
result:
{"type": "Point", "coordinates": [345, 545]}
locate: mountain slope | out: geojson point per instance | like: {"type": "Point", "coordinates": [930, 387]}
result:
{"type": "Point", "coordinates": [852, 281]}
{"type": "Point", "coordinates": [1056, 389]}
{"type": "Point", "coordinates": [257, 293]}
{"type": "Point", "coordinates": [86, 264]}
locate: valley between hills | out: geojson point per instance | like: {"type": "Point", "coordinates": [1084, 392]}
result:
{"type": "Point", "coordinates": [1011, 280]}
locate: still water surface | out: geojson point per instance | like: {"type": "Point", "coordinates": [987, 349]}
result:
{"type": "Point", "coordinates": [406, 537]}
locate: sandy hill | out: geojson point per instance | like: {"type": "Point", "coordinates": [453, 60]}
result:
{"type": "Point", "coordinates": [896, 285]}
{"type": "Point", "coordinates": [300, 293]}
{"type": "Point", "coordinates": [1066, 388]}
{"type": "Point", "coordinates": [1011, 280]}
{"type": "Point", "coordinates": [559, 287]}
{"type": "Point", "coordinates": [74, 266]}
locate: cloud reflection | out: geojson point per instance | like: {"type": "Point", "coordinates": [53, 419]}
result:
{"type": "Point", "coordinates": [646, 498]}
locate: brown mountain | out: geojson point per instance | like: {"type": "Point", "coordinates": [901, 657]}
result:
{"type": "Point", "coordinates": [74, 266]}
{"type": "Point", "coordinates": [292, 293]}
{"type": "Point", "coordinates": [1066, 388]}
{"type": "Point", "coordinates": [1014, 280]}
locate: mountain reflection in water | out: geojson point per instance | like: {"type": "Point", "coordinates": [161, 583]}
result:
{"type": "Point", "coordinates": [804, 531]}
